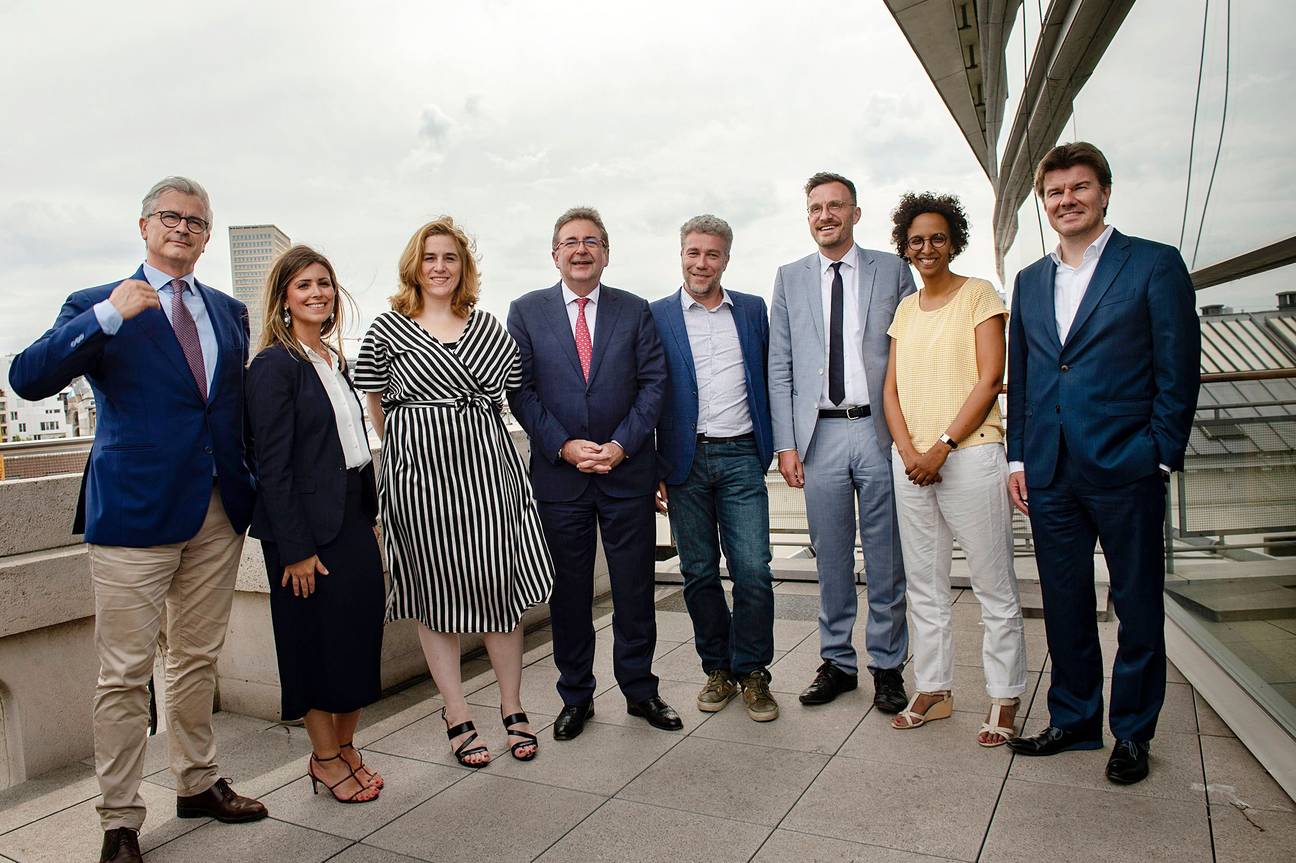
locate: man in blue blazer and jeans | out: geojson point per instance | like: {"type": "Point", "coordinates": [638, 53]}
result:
{"type": "Point", "coordinates": [1103, 372]}
{"type": "Point", "coordinates": [164, 502]}
{"type": "Point", "coordinates": [592, 382]}
{"type": "Point", "coordinates": [715, 442]}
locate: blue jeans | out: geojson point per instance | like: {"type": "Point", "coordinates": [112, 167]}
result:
{"type": "Point", "coordinates": [723, 505]}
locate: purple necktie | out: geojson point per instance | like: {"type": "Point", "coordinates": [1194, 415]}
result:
{"type": "Point", "coordinates": [187, 335]}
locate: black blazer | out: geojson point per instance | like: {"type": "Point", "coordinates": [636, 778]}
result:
{"type": "Point", "coordinates": [298, 461]}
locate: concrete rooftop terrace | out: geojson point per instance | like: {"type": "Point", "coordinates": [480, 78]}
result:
{"type": "Point", "coordinates": [830, 783]}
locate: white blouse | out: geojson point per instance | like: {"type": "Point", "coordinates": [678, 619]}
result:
{"type": "Point", "coordinates": [346, 410]}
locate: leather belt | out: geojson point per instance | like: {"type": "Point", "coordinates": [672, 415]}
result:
{"type": "Point", "coordinates": [855, 413]}
{"type": "Point", "coordinates": [711, 439]}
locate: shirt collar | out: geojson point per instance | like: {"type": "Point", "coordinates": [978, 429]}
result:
{"type": "Point", "coordinates": [687, 301]}
{"type": "Point", "coordinates": [159, 280]}
{"type": "Point", "coordinates": [570, 296]}
{"type": "Point", "coordinates": [850, 260]}
{"type": "Point", "coordinates": [317, 359]}
{"type": "Point", "coordinates": [1094, 250]}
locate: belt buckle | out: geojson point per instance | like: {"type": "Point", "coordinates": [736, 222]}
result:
{"type": "Point", "coordinates": [854, 413]}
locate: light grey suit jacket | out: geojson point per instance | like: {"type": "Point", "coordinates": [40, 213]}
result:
{"type": "Point", "coordinates": [798, 342]}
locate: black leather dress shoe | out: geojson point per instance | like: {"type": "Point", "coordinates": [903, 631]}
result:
{"type": "Point", "coordinates": [1129, 762]}
{"type": "Point", "coordinates": [1053, 740]}
{"type": "Point", "coordinates": [658, 713]}
{"type": "Point", "coordinates": [121, 845]}
{"type": "Point", "coordinates": [222, 803]}
{"type": "Point", "coordinates": [571, 721]}
{"type": "Point", "coordinates": [830, 681]}
{"type": "Point", "coordinates": [888, 690]}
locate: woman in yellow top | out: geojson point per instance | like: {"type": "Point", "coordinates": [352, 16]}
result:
{"type": "Point", "coordinates": [951, 475]}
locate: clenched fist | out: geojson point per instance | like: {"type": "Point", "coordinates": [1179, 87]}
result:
{"type": "Point", "coordinates": [132, 297]}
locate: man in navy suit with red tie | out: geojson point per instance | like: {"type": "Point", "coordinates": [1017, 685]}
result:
{"type": "Point", "coordinates": [593, 378]}
{"type": "Point", "coordinates": [165, 500]}
{"type": "Point", "coordinates": [1103, 374]}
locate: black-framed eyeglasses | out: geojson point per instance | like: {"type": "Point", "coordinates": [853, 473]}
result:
{"type": "Point", "coordinates": [938, 241]}
{"type": "Point", "coordinates": [171, 219]}
{"type": "Point", "coordinates": [590, 243]}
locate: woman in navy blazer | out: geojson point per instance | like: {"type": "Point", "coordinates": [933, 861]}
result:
{"type": "Point", "coordinates": [315, 512]}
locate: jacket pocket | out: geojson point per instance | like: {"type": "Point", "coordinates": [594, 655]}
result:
{"type": "Point", "coordinates": [1128, 407]}
{"type": "Point", "coordinates": [129, 447]}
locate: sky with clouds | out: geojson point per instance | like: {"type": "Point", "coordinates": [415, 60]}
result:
{"type": "Point", "coordinates": [348, 125]}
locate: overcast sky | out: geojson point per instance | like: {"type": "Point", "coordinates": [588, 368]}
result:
{"type": "Point", "coordinates": [348, 125]}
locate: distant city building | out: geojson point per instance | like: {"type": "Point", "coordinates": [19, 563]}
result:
{"type": "Point", "coordinates": [253, 248]}
{"type": "Point", "coordinates": [24, 420]}
{"type": "Point", "coordinates": [79, 404]}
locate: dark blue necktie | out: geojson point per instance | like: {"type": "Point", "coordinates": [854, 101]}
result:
{"type": "Point", "coordinates": [836, 359]}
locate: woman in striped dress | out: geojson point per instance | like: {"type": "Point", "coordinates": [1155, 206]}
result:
{"type": "Point", "coordinates": [464, 544]}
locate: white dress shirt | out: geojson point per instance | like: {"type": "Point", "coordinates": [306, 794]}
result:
{"type": "Point", "coordinates": [569, 299]}
{"type": "Point", "coordinates": [346, 410]}
{"type": "Point", "coordinates": [857, 393]}
{"type": "Point", "coordinates": [718, 365]}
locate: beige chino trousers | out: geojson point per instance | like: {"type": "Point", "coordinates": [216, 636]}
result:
{"type": "Point", "coordinates": [187, 587]}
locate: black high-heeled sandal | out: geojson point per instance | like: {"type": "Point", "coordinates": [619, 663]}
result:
{"type": "Point", "coordinates": [462, 752]}
{"type": "Point", "coordinates": [375, 779]}
{"type": "Point", "coordinates": [316, 781]}
{"type": "Point", "coordinates": [531, 740]}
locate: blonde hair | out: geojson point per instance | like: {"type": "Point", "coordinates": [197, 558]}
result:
{"type": "Point", "coordinates": [408, 299]}
{"type": "Point", "coordinates": [274, 299]}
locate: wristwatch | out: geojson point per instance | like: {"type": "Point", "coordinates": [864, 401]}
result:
{"type": "Point", "coordinates": [948, 441]}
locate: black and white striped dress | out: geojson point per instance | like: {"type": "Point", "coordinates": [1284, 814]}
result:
{"type": "Point", "coordinates": [464, 544]}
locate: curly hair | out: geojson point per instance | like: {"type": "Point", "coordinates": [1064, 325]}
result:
{"type": "Point", "coordinates": [913, 205]}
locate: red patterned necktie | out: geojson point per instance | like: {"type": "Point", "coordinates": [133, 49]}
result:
{"type": "Point", "coordinates": [584, 347]}
{"type": "Point", "coordinates": [187, 334]}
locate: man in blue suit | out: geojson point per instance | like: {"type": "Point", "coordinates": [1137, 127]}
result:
{"type": "Point", "coordinates": [592, 383]}
{"type": "Point", "coordinates": [164, 502]}
{"type": "Point", "coordinates": [715, 443]}
{"type": "Point", "coordinates": [1103, 374]}
{"type": "Point", "coordinates": [828, 357]}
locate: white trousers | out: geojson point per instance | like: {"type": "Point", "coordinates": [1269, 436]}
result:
{"type": "Point", "coordinates": [970, 504]}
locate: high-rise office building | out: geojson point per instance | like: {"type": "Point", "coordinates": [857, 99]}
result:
{"type": "Point", "coordinates": [253, 249]}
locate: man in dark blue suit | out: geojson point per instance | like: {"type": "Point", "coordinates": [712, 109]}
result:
{"type": "Point", "coordinates": [1103, 374]}
{"type": "Point", "coordinates": [592, 384]}
{"type": "Point", "coordinates": [164, 502]}
{"type": "Point", "coordinates": [715, 442]}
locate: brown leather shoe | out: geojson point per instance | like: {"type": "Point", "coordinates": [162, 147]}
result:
{"type": "Point", "coordinates": [220, 802]}
{"type": "Point", "coordinates": [121, 845]}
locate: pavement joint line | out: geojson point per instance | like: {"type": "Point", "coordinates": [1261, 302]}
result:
{"type": "Point", "coordinates": [1201, 753]}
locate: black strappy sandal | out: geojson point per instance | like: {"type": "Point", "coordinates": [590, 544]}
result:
{"type": "Point", "coordinates": [531, 740]}
{"type": "Point", "coordinates": [462, 752]}
{"type": "Point", "coordinates": [317, 781]}
{"type": "Point", "coordinates": [374, 778]}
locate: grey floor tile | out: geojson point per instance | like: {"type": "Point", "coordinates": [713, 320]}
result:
{"type": "Point", "coordinates": [1234, 776]}
{"type": "Point", "coordinates": [482, 818]}
{"type": "Point", "coordinates": [1208, 721]}
{"type": "Point", "coordinates": [1173, 674]}
{"type": "Point", "coordinates": [361, 853]}
{"type": "Point", "coordinates": [791, 633]}
{"type": "Point", "coordinates": [258, 761]}
{"type": "Point", "coordinates": [785, 845]}
{"type": "Point", "coordinates": [425, 740]}
{"type": "Point", "coordinates": [602, 760]}
{"type": "Point", "coordinates": [1175, 767]}
{"type": "Point", "coordinates": [674, 626]}
{"type": "Point", "coordinates": [74, 833]}
{"type": "Point", "coordinates": [949, 743]}
{"type": "Point", "coordinates": [539, 692]}
{"type": "Point", "coordinates": [821, 729]}
{"type": "Point", "coordinates": [1177, 712]}
{"type": "Point", "coordinates": [610, 707]}
{"type": "Point", "coordinates": [1253, 835]}
{"type": "Point", "coordinates": [943, 813]}
{"type": "Point", "coordinates": [626, 832]}
{"type": "Point", "coordinates": [727, 780]}
{"type": "Point", "coordinates": [253, 843]}
{"type": "Point", "coordinates": [1036, 822]}
{"type": "Point", "coordinates": [369, 731]}
{"type": "Point", "coordinates": [44, 795]}
{"type": "Point", "coordinates": [797, 588]}
{"type": "Point", "coordinates": [407, 784]}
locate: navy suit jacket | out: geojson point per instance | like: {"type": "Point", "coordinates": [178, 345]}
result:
{"type": "Point", "coordinates": [621, 401]}
{"type": "Point", "coordinates": [677, 429]}
{"type": "Point", "coordinates": [148, 480]}
{"type": "Point", "coordinates": [300, 467]}
{"type": "Point", "coordinates": [1122, 390]}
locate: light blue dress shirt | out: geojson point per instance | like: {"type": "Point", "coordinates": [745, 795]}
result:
{"type": "Point", "coordinates": [110, 320]}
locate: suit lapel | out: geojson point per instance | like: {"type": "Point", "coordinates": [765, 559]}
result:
{"type": "Point", "coordinates": [864, 283]}
{"type": "Point", "coordinates": [154, 324]}
{"type": "Point", "coordinates": [675, 322]}
{"type": "Point", "coordinates": [1048, 301]}
{"type": "Point", "coordinates": [560, 326]}
{"type": "Point", "coordinates": [218, 327]}
{"type": "Point", "coordinates": [814, 296]}
{"type": "Point", "coordinates": [606, 314]}
{"type": "Point", "coordinates": [750, 350]}
{"type": "Point", "coordinates": [1113, 258]}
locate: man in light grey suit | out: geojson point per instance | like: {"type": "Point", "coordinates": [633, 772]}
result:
{"type": "Point", "coordinates": [827, 361]}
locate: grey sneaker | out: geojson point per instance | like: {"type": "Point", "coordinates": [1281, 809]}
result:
{"type": "Point", "coordinates": [720, 688]}
{"type": "Point", "coordinates": [761, 705]}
